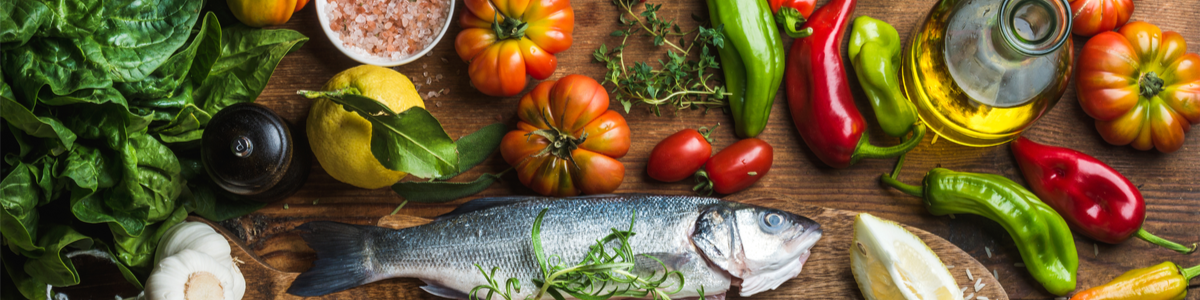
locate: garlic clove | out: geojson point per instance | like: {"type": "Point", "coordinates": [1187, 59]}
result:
{"type": "Point", "coordinates": [192, 275]}
{"type": "Point", "coordinates": [195, 236]}
{"type": "Point", "coordinates": [239, 282]}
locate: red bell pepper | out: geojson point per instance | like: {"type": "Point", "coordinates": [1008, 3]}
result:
{"type": "Point", "coordinates": [1093, 197]}
{"type": "Point", "coordinates": [793, 14]}
{"type": "Point", "coordinates": [819, 97]}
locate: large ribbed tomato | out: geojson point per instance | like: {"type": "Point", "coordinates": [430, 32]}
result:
{"type": "Point", "coordinates": [568, 141]}
{"type": "Point", "coordinates": [522, 39]}
{"type": "Point", "coordinates": [1141, 86]}
{"type": "Point", "coordinates": [1096, 16]}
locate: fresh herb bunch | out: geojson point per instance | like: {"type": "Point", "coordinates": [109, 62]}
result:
{"type": "Point", "coordinates": [600, 275]}
{"type": "Point", "coordinates": [681, 82]}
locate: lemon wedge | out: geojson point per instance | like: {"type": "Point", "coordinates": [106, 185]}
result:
{"type": "Point", "coordinates": [889, 262]}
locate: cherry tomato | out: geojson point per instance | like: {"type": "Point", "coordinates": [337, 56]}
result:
{"type": "Point", "coordinates": [739, 166]}
{"type": "Point", "coordinates": [679, 156]}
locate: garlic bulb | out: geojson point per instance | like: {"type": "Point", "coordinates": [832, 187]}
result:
{"type": "Point", "coordinates": [196, 236]}
{"type": "Point", "coordinates": [190, 275]}
{"type": "Point", "coordinates": [192, 262]}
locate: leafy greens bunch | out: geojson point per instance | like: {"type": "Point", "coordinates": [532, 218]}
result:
{"type": "Point", "coordinates": [103, 104]}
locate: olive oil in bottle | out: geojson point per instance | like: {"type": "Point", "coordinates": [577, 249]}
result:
{"type": "Point", "coordinates": [981, 71]}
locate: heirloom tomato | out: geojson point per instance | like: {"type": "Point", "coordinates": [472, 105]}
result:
{"type": "Point", "coordinates": [567, 141]}
{"type": "Point", "coordinates": [738, 166]}
{"type": "Point", "coordinates": [1141, 86]}
{"type": "Point", "coordinates": [259, 13]}
{"type": "Point", "coordinates": [1096, 16]}
{"type": "Point", "coordinates": [504, 40]}
{"type": "Point", "coordinates": [680, 155]}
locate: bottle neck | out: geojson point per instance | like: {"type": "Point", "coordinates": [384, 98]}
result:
{"type": "Point", "coordinates": [1033, 27]}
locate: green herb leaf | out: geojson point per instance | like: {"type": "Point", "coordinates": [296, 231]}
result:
{"type": "Point", "coordinates": [412, 141]}
{"type": "Point", "coordinates": [474, 148]}
{"type": "Point", "coordinates": [442, 191]}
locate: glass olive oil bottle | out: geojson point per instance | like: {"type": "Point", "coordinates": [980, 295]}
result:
{"type": "Point", "coordinates": [981, 71]}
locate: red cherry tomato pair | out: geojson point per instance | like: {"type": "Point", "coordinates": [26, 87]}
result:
{"type": "Point", "coordinates": [735, 168]}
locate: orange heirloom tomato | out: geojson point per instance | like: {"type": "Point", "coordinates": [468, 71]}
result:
{"type": "Point", "coordinates": [506, 39]}
{"type": "Point", "coordinates": [1141, 86]}
{"type": "Point", "coordinates": [1096, 16]}
{"type": "Point", "coordinates": [568, 141]}
{"type": "Point", "coordinates": [259, 13]}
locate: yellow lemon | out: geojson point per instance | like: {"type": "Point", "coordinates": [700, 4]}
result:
{"type": "Point", "coordinates": [341, 140]}
{"type": "Point", "coordinates": [889, 262]}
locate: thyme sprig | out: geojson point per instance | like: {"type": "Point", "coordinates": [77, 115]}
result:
{"type": "Point", "coordinates": [681, 82]}
{"type": "Point", "coordinates": [599, 275]}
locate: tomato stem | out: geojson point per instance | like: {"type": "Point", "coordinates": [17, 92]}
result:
{"type": "Point", "coordinates": [706, 132]}
{"type": "Point", "coordinates": [509, 27]}
{"type": "Point", "coordinates": [1150, 85]}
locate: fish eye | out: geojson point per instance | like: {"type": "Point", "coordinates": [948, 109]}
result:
{"type": "Point", "coordinates": [773, 221]}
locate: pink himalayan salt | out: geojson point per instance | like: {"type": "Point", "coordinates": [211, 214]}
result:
{"type": "Point", "coordinates": [387, 28]}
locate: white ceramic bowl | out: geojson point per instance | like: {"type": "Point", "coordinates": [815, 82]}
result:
{"type": "Point", "coordinates": [336, 38]}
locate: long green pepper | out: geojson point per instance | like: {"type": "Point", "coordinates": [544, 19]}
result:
{"type": "Point", "coordinates": [1042, 236]}
{"type": "Point", "coordinates": [874, 50]}
{"type": "Point", "coordinates": [752, 59]}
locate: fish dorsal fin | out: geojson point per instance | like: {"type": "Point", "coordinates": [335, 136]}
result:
{"type": "Point", "coordinates": [485, 203]}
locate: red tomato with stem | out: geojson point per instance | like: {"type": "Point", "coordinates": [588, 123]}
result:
{"type": "Point", "coordinates": [680, 155]}
{"type": "Point", "coordinates": [737, 167]}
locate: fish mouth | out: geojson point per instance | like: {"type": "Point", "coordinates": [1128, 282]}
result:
{"type": "Point", "coordinates": [772, 277]}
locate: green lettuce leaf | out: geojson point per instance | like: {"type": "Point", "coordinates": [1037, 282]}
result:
{"type": "Point", "coordinates": [52, 62]}
{"type": "Point", "coordinates": [19, 194]}
{"type": "Point", "coordinates": [53, 267]}
{"type": "Point", "coordinates": [137, 252]}
{"type": "Point", "coordinates": [190, 65]}
{"type": "Point", "coordinates": [22, 118]}
{"type": "Point", "coordinates": [19, 20]}
{"type": "Point", "coordinates": [135, 37]}
{"type": "Point", "coordinates": [27, 286]}
{"type": "Point", "coordinates": [248, 58]}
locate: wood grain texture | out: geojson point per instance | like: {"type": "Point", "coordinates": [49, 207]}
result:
{"type": "Point", "coordinates": [826, 274]}
{"type": "Point", "coordinates": [1169, 182]}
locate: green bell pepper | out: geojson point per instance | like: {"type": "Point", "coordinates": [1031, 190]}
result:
{"type": "Point", "coordinates": [875, 49]}
{"type": "Point", "coordinates": [752, 60]}
{"type": "Point", "coordinates": [1042, 236]}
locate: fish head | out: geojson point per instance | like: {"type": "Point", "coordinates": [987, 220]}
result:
{"type": "Point", "coordinates": [762, 247]}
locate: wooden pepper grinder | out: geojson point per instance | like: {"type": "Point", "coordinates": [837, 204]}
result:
{"type": "Point", "coordinates": [250, 151]}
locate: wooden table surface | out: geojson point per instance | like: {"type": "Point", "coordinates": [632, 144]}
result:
{"type": "Point", "coordinates": [1169, 182]}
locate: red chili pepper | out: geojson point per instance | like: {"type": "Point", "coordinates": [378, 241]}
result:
{"type": "Point", "coordinates": [819, 95]}
{"type": "Point", "coordinates": [1093, 197]}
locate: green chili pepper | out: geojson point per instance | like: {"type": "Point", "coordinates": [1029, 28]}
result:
{"type": "Point", "coordinates": [875, 53]}
{"type": "Point", "coordinates": [752, 59]}
{"type": "Point", "coordinates": [1042, 236]}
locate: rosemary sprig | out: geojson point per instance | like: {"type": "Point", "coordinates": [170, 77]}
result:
{"type": "Point", "coordinates": [599, 275]}
{"type": "Point", "coordinates": [681, 82]}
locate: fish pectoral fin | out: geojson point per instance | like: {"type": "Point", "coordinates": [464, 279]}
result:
{"type": "Point", "coordinates": [443, 291]}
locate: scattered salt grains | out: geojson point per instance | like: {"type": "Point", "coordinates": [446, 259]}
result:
{"type": "Point", "coordinates": [428, 80]}
{"type": "Point", "coordinates": [383, 28]}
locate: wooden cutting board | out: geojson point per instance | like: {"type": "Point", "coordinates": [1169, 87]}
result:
{"type": "Point", "coordinates": [826, 274]}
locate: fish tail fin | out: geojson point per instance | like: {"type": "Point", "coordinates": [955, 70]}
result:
{"type": "Point", "coordinates": [342, 258]}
